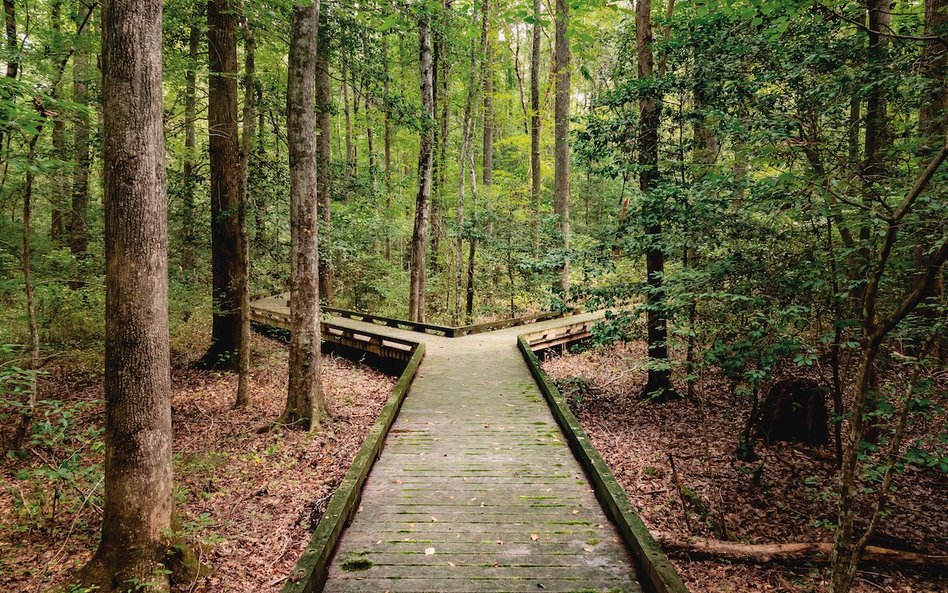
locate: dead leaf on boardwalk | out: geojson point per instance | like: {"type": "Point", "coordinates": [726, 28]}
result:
{"type": "Point", "coordinates": [534, 536]}
{"type": "Point", "coordinates": [429, 551]}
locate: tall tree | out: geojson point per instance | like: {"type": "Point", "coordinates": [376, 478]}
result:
{"type": "Point", "coordinates": [248, 123]}
{"type": "Point", "coordinates": [467, 141]}
{"type": "Point", "coordinates": [190, 156]}
{"type": "Point", "coordinates": [138, 475]}
{"type": "Point", "coordinates": [57, 230]}
{"type": "Point", "coordinates": [305, 405]}
{"type": "Point", "coordinates": [487, 68]}
{"type": "Point", "coordinates": [419, 240]}
{"type": "Point", "coordinates": [323, 147]}
{"type": "Point", "coordinates": [229, 275]}
{"type": "Point", "coordinates": [387, 144]}
{"type": "Point", "coordinates": [561, 125]}
{"type": "Point", "coordinates": [351, 159]}
{"type": "Point", "coordinates": [659, 373]}
{"type": "Point", "coordinates": [535, 181]}
{"type": "Point", "coordinates": [79, 212]}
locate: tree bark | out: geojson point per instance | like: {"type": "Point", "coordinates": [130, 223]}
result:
{"type": "Point", "coordinates": [227, 266]}
{"type": "Point", "coordinates": [535, 180]}
{"type": "Point", "coordinates": [77, 223]}
{"type": "Point", "coordinates": [138, 473]}
{"type": "Point", "coordinates": [932, 126]}
{"type": "Point", "coordinates": [561, 125]}
{"type": "Point", "coordinates": [246, 149]}
{"type": "Point", "coordinates": [659, 376]}
{"type": "Point", "coordinates": [467, 133]}
{"type": "Point", "coordinates": [323, 151]}
{"type": "Point", "coordinates": [879, 19]}
{"type": "Point", "coordinates": [419, 240]}
{"type": "Point", "coordinates": [189, 238]}
{"type": "Point", "coordinates": [9, 14]}
{"type": "Point", "coordinates": [305, 405]}
{"type": "Point", "coordinates": [487, 68]}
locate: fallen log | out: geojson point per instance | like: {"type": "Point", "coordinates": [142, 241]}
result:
{"type": "Point", "coordinates": [819, 552]}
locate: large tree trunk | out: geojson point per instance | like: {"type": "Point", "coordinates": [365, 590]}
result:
{"type": "Point", "coordinates": [138, 473]}
{"type": "Point", "coordinates": [228, 272]}
{"type": "Point", "coordinates": [487, 69]}
{"type": "Point", "coordinates": [246, 149]}
{"type": "Point", "coordinates": [79, 213]}
{"type": "Point", "coordinates": [419, 240]}
{"type": "Point", "coordinates": [535, 181]}
{"type": "Point", "coordinates": [932, 125]}
{"type": "Point", "coordinates": [876, 136]}
{"type": "Point", "coordinates": [305, 405]}
{"type": "Point", "coordinates": [189, 238]}
{"type": "Point", "coordinates": [659, 379]}
{"type": "Point", "coordinates": [561, 125]}
{"type": "Point", "coordinates": [323, 151]}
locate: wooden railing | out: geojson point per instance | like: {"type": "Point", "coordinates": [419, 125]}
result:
{"type": "Point", "coordinates": [384, 346]}
{"type": "Point", "coordinates": [426, 328]}
{"type": "Point", "coordinates": [267, 315]}
{"type": "Point", "coordinates": [557, 336]}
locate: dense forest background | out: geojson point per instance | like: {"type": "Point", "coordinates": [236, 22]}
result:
{"type": "Point", "coordinates": [755, 188]}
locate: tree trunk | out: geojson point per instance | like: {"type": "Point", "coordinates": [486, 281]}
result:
{"type": "Point", "coordinates": [13, 61]}
{"type": "Point", "coordinates": [659, 376]}
{"type": "Point", "coordinates": [467, 139]}
{"type": "Point", "coordinates": [57, 228]}
{"type": "Point", "coordinates": [138, 473]}
{"type": "Point", "coordinates": [932, 124]}
{"type": "Point", "coordinates": [419, 240]}
{"type": "Point", "coordinates": [77, 224]}
{"type": "Point", "coordinates": [246, 149]}
{"type": "Point", "coordinates": [323, 152]}
{"type": "Point", "coordinates": [189, 239]}
{"type": "Point", "coordinates": [879, 19]}
{"type": "Point", "coordinates": [561, 124]}
{"type": "Point", "coordinates": [228, 272]}
{"type": "Point", "coordinates": [535, 180]}
{"type": "Point", "coordinates": [350, 147]}
{"type": "Point", "coordinates": [487, 68]}
{"type": "Point", "coordinates": [370, 140]}
{"type": "Point", "coordinates": [387, 141]}
{"type": "Point", "coordinates": [472, 245]}
{"type": "Point", "coordinates": [305, 405]}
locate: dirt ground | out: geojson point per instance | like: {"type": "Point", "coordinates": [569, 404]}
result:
{"type": "Point", "coordinates": [246, 500]}
{"type": "Point", "coordinates": [785, 496]}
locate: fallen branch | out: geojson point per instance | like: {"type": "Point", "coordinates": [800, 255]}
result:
{"type": "Point", "coordinates": [820, 552]}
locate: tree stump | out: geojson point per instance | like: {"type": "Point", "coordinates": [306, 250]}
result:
{"type": "Point", "coordinates": [794, 410]}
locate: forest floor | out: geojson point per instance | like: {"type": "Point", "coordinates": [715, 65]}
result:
{"type": "Point", "coordinates": [246, 500]}
{"type": "Point", "coordinates": [785, 496]}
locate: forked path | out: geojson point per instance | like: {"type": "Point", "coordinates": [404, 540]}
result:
{"type": "Point", "coordinates": [476, 489]}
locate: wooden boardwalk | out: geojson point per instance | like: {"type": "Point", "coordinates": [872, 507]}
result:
{"type": "Point", "coordinates": [476, 489]}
